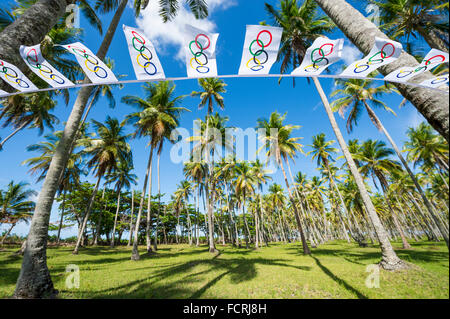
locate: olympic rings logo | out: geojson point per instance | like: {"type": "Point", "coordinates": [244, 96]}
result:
{"type": "Point", "coordinates": [90, 60]}
{"type": "Point", "coordinates": [377, 58]}
{"type": "Point", "coordinates": [145, 55]}
{"type": "Point", "coordinates": [431, 61]}
{"type": "Point", "coordinates": [200, 57]}
{"type": "Point", "coordinates": [260, 56]}
{"type": "Point", "coordinates": [12, 76]}
{"type": "Point", "coordinates": [44, 70]}
{"type": "Point", "coordinates": [317, 61]}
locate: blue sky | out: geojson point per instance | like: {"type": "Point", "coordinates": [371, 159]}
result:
{"type": "Point", "coordinates": [247, 99]}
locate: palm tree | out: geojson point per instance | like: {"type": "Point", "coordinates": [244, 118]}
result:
{"type": "Point", "coordinates": [390, 260]}
{"type": "Point", "coordinates": [262, 177]}
{"type": "Point", "coordinates": [34, 261]}
{"type": "Point", "coordinates": [376, 163]}
{"type": "Point", "coordinates": [15, 205]}
{"type": "Point", "coordinates": [105, 151]}
{"type": "Point", "coordinates": [362, 32]}
{"type": "Point", "coordinates": [123, 178]}
{"type": "Point", "coordinates": [182, 195]}
{"type": "Point", "coordinates": [283, 147]}
{"type": "Point", "coordinates": [27, 110]}
{"type": "Point", "coordinates": [360, 93]}
{"type": "Point", "coordinates": [158, 115]}
{"type": "Point", "coordinates": [212, 88]}
{"type": "Point", "coordinates": [406, 18]}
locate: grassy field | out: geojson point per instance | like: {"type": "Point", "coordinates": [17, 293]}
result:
{"type": "Point", "coordinates": [335, 270]}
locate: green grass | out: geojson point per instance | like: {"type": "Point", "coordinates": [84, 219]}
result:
{"type": "Point", "coordinates": [335, 270]}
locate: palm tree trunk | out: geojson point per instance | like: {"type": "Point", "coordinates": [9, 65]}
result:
{"type": "Point", "coordinates": [34, 279]}
{"type": "Point", "coordinates": [362, 32]}
{"type": "Point", "coordinates": [115, 218]}
{"type": "Point", "coordinates": [131, 218]}
{"type": "Point", "coordinates": [413, 177]}
{"type": "Point", "coordinates": [58, 237]}
{"type": "Point", "coordinates": [7, 234]}
{"type": "Point", "coordinates": [306, 249]}
{"type": "Point", "coordinates": [432, 39]}
{"type": "Point", "coordinates": [86, 216]}
{"type": "Point", "coordinates": [389, 260]}
{"type": "Point", "coordinates": [22, 126]}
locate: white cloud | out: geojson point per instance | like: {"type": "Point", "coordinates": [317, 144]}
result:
{"type": "Point", "coordinates": [172, 33]}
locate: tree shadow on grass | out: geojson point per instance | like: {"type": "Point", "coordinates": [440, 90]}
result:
{"type": "Point", "coordinates": [339, 280]}
{"type": "Point", "coordinates": [154, 286]}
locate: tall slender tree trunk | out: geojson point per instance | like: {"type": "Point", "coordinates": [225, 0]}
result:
{"type": "Point", "coordinates": [148, 238]}
{"type": "Point", "coordinates": [115, 219]}
{"type": "Point", "coordinates": [87, 215]}
{"type": "Point", "coordinates": [131, 219]}
{"type": "Point", "coordinates": [362, 32]}
{"type": "Point", "coordinates": [135, 251]}
{"type": "Point", "coordinates": [428, 205]}
{"type": "Point", "coordinates": [306, 249]}
{"type": "Point", "coordinates": [58, 237]}
{"type": "Point", "coordinates": [389, 260]}
{"type": "Point", "coordinates": [34, 279]}
{"type": "Point", "coordinates": [17, 130]}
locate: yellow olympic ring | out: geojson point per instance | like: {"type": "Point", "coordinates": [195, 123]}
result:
{"type": "Point", "coordinates": [86, 61]}
{"type": "Point", "coordinates": [251, 59]}
{"type": "Point", "coordinates": [146, 58]}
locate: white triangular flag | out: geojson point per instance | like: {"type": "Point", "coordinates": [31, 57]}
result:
{"type": "Point", "coordinates": [93, 67]}
{"type": "Point", "coordinates": [323, 53]}
{"type": "Point", "coordinates": [431, 60]}
{"type": "Point", "coordinates": [143, 55]}
{"type": "Point", "coordinates": [384, 51]}
{"type": "Point", "coordinates": [200, 47]}
{"type": "Point", "coordinates": [14, 77]}
{"type": "Point", "coordinates": [436, 82]}
{"type": "Point", "coordinates": [260, 49]}
{"type": "Point", "coordinates": [35, 61]}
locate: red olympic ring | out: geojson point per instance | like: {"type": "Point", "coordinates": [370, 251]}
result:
{"type": "Point", "coordinates": [259, 41]}
{"type": "Point", "coordinates": [138, 37]}
{"type": "Point", "coordinates": [35, 60]}
{"type": "Point", "coordinates": [383, 52]}
{"type": "Point", "coordinates": [331, 51]}
{"type": "Point", "coordinates": [198, 46]}
{"type": "Point", "coordinates": [429, 60]}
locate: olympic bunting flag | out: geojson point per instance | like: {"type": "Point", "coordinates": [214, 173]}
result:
{"type": "Point", "coordinates": [92, 66]}
{"type": "Point", "coordinates": [436, 82]}
{"type": "Point", "coordinates": [431, 60]}
{"type": "Point", "coordinates": [260, 49]}
{"type": "Point", "coordinates": [3, 93]}
{"type": "Point", "coordinates": [14, 77]}
{"type": "Point", "coordinates": [200, 47]}
{"type": "Point", "coordinates": [36, 62]}
{"type": "Point", "coordinates": [385, 51]}
{"type": "Point", "coordinates": [145, 62]}
{"type": "Point", "coordinates": [323, 53]}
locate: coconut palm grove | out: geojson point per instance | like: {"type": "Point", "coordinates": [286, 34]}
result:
{"type": "Point", "coordinates": [137, 190]}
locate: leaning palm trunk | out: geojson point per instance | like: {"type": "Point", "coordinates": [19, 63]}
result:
{"type": "Point", "coordinates": [86, 216]}
{"type": "Point", "coordinates": [362, 32]}
{"type": "Point", "coordinates": [29, 29]}
{"type": "Point", "coordinates": [58, 237]}
{"type": "Point", "coordinates": [34, 279]}
{"type": "Point", "coordinates": [390, 260]}
{"type": "Point", "coordinates": [22, 126]}
{"type": "Point", "coordinates": [7, 234]}
{"type": "Point", "coordinates": [428, 205]}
